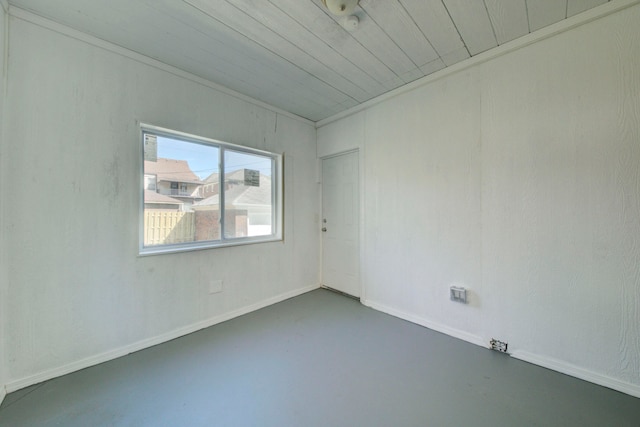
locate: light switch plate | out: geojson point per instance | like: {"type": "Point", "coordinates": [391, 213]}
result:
{"type": "Point", "coordinates": [458, 294]}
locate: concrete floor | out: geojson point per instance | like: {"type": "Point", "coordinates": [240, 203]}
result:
{"type": "Point", "coordinates": [320, 359]}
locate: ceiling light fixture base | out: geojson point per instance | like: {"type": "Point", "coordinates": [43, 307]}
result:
{"type": "Point", "coordinates": [341, 7]}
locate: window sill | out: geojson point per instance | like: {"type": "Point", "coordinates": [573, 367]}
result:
{"type": "Point", "coordinates": [188, 247]}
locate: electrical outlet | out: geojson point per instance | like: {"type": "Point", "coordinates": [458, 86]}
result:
{"type": "Point", "coordinates": [500, 346]}
{"type": "Point", "coordinates": [215, 286]}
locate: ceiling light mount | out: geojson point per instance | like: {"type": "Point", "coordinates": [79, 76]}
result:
{"type": "Point", "coordinates": [341, 7]}
{"type": "Point", "coordinates": [351, 22]}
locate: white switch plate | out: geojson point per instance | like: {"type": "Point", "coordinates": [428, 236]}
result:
{"type": "Point", "coordinates": [215, 286]}
{"type": "Point", "coordinates": [458, 294]}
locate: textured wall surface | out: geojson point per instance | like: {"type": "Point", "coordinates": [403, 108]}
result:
{"type": "Point", "coordinates": [77, 285]}
{"type": "Point", "coordinates": [3, 263]}
{"type": "Point", "coordinates": [518, 178]}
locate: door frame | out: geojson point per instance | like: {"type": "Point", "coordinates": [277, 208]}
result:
{"type": "Point", "coordinates": [360, 156]}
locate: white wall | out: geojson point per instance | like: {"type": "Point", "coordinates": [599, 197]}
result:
{"type": "Point", "coordinates": [518, 178]}
{"type": "Point", "coordinates": [78, 292]}
{"type": "Point", "coordinates": [3, 264]}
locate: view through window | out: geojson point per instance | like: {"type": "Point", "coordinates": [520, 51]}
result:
{"type": "Point", "coordinates": [201, 193]}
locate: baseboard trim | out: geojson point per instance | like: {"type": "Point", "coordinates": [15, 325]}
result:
{"type": "Point", "coordinates": [149, 342]}
{"type": "Point", "coordinates": [3, 393]}
{"type": "Point", "coordinates": [545, 362]}
{"type": "Point", "coordinates": [578, 372]}
{"type": "Point", "coordinates": [427, 323]}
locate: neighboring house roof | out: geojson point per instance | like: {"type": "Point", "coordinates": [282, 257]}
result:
{"type": "Point", "coordinates": [237, 175]}
{"type": "Point", "coordinates": [212, 179]}
{"type": "Point", "coordinates": [151, 196]}
{"type": "Point", "coordinates": [242, 195]}
{"type": "Point", "coordinates": [209, 201]}
{"type": "Point", "coordinates": [171, 170]}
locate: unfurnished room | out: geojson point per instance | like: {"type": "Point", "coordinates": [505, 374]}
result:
{"type": "Point", "coordinates": [320, 213]}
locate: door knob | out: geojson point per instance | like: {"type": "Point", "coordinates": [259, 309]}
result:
{"type": "Point", "coordinates": [324, 229]}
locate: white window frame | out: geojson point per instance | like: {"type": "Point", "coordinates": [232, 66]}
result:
{"type": "Point", "coordinates": [277, 195]}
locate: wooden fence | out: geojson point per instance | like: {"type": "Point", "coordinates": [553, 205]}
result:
{"type": "Point", "coordinates": [165, 228]}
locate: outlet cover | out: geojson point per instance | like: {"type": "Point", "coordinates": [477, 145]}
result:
{"type": "Point", "coordinates": [215, 286]}
{"type": "Point", "coordinates": [500, 346]}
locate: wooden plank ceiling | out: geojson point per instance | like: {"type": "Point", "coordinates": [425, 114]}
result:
{"type": "Point", "coordinates": [295, 55]}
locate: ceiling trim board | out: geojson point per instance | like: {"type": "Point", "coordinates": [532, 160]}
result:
{"type": "Point", "coordinates": [33, 18]}
{"type": "Point", "coordinates": [570, 23]}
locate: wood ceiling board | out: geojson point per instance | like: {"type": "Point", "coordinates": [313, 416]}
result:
{"type": "Point", "coordinates": [393, 83]}
{"type": "Point", "coordinates": [245, 82]}
{"type": "Point", "coordinates": [412, 75]}
{"type": "Point", "coordinates": [509, 19]}
{"type": "Point", "coordinates": [295, 55]}
{"type": "Point", "coordinates": [93, 19]}
{"type": "Point", "coordinates": [543, 13]}
{"type": "Point", "coordinates": [433, 66]}
{"type": "Point", "coordinates": [177, 40]}
{"type": "Point", "coordinates": [289, 29]}
{"type": "Point", "coordinates": [394, 20]}
{"type": "Point", "coordinates": [455, 56]}
{"type": "Point", "coordinates": [577, 6]}
{"type": "Point", "coordinates": [332, 33]}
{"type": "Point", "coordinates": [234, 62]}
{"type": "Point", "coordinates": [374, 39]}
{"type": "Point", "coordinates": [129, 24]}
{"type": "Point", "coordinates": [233, 68]}
{"type": "Point", "coordinates": [435, 23]}
{"type": "Point", "coordinates": [473, 23]}
{"type": "Point", "coordinates": [237, 20]}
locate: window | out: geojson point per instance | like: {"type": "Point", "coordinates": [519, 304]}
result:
{"type": "Point", "coordinates": [150, 182]}
{"type": "Point", "coordinates": [200, 193]}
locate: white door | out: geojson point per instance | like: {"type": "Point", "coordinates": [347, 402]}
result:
{"type": "Point", "coordinates": [340, 225]}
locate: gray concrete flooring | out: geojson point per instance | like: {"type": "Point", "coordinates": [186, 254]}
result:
{"type": "Point", "coordinates": [319, 359]}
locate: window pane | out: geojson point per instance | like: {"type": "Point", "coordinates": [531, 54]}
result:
{"type": "Point", "coordinates": [192, 186]}
{"type": "Point", "coordinates": [248, 194]}
{"type": "Point", "coordinates": [181, 200]}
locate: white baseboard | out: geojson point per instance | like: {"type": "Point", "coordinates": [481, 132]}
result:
{"type": "Point", "coordinates": [149, 342]}
{"type": "Point", "coordinates": [427, 323]}
{"type": "Point", "coordinates": [545, 362]}
{"type": "Point", "coordinates": [578, 372]}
